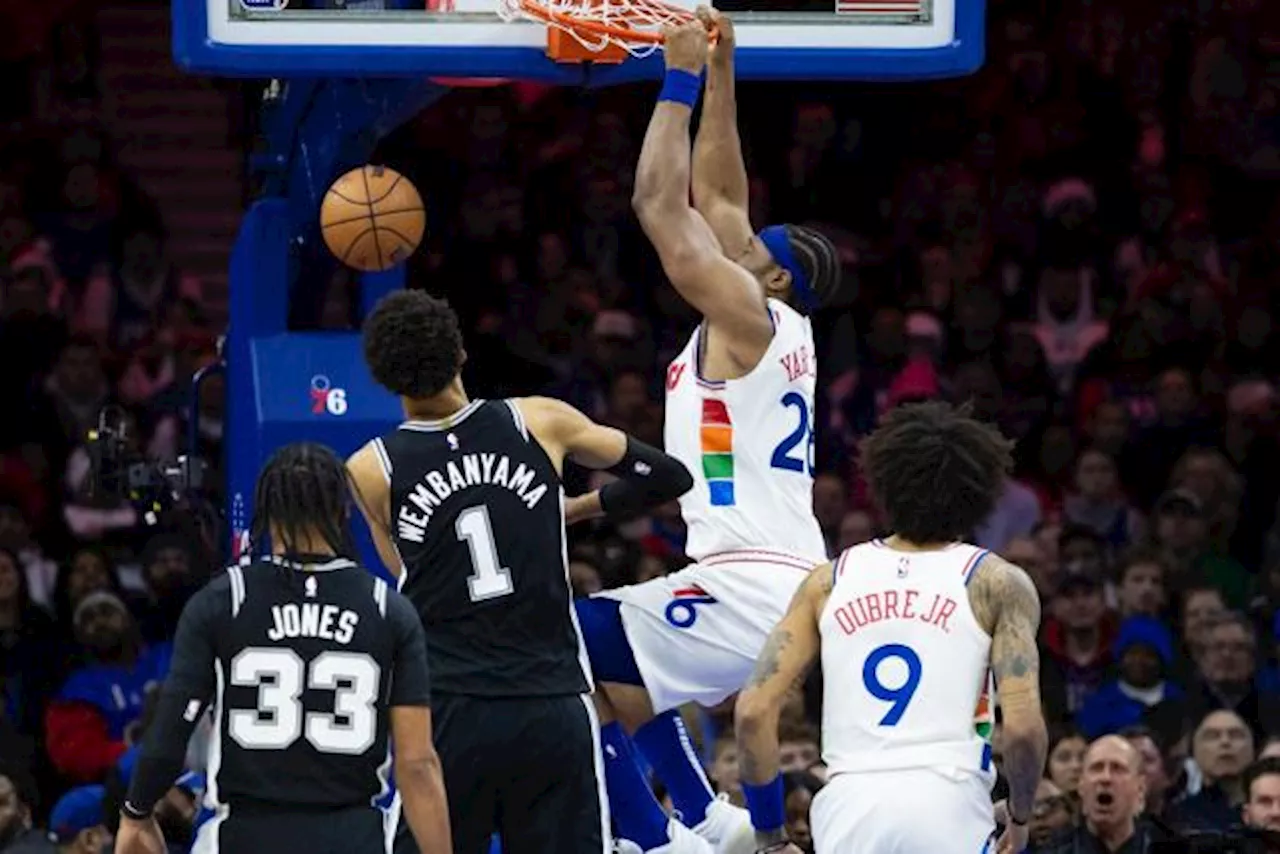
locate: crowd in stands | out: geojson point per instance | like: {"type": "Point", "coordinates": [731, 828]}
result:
{"type": "Point", "coordinates": [91, 315]}
{"type": "Point", "coordinates": [1081, 241]}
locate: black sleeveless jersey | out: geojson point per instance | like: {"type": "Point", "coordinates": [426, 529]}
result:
{"type": "Point", "coordinates": [303, 665]}
{"type": "Point", "coordinates": [477, 516]}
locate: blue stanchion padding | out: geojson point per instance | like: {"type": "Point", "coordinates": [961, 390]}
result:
{"type": "Point", "coordinates": [320, 379]}
{"type": "Point", "coordinates": [303, 387]}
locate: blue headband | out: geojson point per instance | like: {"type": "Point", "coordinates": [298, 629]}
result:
{"type": "Point", "coordinates": [774, 238]}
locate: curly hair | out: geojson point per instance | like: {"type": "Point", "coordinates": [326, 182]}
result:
{"type": "Point", "coordinates": [413, 344]}
{"type": "Point", "coordinates": [935, 471]}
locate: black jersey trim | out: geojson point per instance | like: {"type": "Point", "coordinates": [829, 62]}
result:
{"type": "Point", "coordinates": [518, 417]}
{"type": "Point", "coordinates": [236, 576]}
{"type": "Point", "coordinates": [584, 660]}
{"type": "Point", "coordinates": [380, 451]}
{"type": "Point", "coordinates": [447, 423]}
{"type": "Point", "coordinates": [602, 795]}
{"type": "Point", "coordinates": [326, 566]}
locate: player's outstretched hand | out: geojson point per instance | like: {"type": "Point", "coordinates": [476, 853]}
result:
{"type": "Point", "coordinates": [139, 837]}
{"type": "Point", "coordinates": [721, 26]}
{"type": "Point", "coordinates": [686, 46]}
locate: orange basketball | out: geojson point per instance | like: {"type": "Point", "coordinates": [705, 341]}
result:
{"type": "Point", "coordinates": [372, 218]}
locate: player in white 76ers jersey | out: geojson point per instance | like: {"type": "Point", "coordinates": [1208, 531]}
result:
{"type": "Point", "coordinates": [739, 415]}
{"type": "Point", "coordinates": [910, 631]}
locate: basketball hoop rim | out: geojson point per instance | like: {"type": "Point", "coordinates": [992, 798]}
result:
{"type": "Point", "coordinates": [545, 14]}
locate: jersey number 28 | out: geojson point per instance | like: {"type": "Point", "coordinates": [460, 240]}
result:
{"type": "Point", "coordinates": [788, 455]}
{"type": "Point", "coordinates": [279, 719]}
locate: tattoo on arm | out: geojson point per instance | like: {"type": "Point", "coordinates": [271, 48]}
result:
{"type": "Point", "coordinates": [786, 659]}
{"type": "Point", "coordinates": [815, 589]}
{"type": "Point", "coordinates": [767, 665]}
{"type": "Point", "coordinates": [1015, 662]}
{"type": "Point", "coordinates": [1014, 654]}
{"type": "Point", "coordinates": [754, 764]}
{"type": "Point", "coordinates": [756, 751]}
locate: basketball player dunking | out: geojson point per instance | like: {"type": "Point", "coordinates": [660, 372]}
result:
{"type": "Point", "coordinates": [910, 630]}
{"type": "Point", "coordinates": [739, 415]}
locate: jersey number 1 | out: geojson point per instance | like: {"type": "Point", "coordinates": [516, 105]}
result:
{"type": "Point", "coordinates": [489, 578]}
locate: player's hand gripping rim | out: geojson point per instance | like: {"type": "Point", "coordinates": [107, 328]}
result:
{"type": "Point", "coordinates": [720, 29]}
{"type": "Point", "coordinates": [686, 46]}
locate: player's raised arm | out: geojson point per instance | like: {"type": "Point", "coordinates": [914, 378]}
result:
{"type": "Point", "coordinates": [720, 188]}
{"type": "Point", "coordinates": [788, 656]}
{"type": "Point", "coordinates": [418, 773]}
{"type": "Point", "coordinates": [726, 294]}
{"type": "Point", "coordinates": [647, 478]}
{"type": "Point", "coordinates": [1005, 600]}
{"type": "Point", "coordinates": [371, 490]}
{"type": "Point", "coordinates": [185, 694]}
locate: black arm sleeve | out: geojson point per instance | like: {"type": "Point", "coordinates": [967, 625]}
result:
{"type": "Point", "coordinates": [184, 696]}
{"type": "Point", "coordinates": [410, 680]}
{"type": "Point", "coordinates": [648, 479]}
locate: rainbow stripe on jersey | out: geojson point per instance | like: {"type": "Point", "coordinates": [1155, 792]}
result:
{"type": "Point", "coordinates": [984, 720]}
{"type": "Point", "coordinates": [984, 716]}
{"type": "Point", "coordinates": [717, 452]}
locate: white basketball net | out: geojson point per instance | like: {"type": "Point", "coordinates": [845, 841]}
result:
{"type": "Point", "coordinates": [597, 25]}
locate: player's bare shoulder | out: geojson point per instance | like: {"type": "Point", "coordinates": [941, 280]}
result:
{"type": "Point", "coordinates": [814, 591]}
{"type": "Point", "coordinates": [564, 432]}
{"type": "Point", "coordinates": [821, 581]}
{"type": "Point", "coordinates": [552, 422]}
{"type": "Point", "coordinates": [1006, 603]}
{"type": "Point", "coordinates": [370, 475]}
{"type": "Point", "coordinates": [1002, 590]}
{"type": "Point", "coordinates": [545, 415]}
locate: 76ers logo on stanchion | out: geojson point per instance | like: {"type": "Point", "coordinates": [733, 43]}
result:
{"type": "Point", "coordinates": [326, 398]}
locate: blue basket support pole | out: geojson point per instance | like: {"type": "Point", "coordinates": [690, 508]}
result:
{"type": "Point", "coordinates": [314, 131]}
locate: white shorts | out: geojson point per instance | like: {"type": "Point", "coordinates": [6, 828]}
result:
{"type": "Point", "coordinates": [904, 812]}
{"type": "Point", "coordinates": [696, 633]}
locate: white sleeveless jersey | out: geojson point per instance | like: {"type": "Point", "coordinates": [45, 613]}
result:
{"type": "Point", "coordinates": [749, 444]}
{"type": "Point", "coordinates": [905, 665]}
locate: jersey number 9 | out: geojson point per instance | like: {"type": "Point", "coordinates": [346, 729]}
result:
{"type": "Point", "coordinates": [279, 719]}
{"type": "Point", "coordinates": [901, 695]}
{"type": "Point", "coordinates": [787, 455]}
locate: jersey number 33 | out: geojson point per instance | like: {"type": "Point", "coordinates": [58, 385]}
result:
{"type": "Point", "coordinates": [280, 675]}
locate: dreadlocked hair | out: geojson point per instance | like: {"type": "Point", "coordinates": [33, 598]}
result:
{"type": "Point", "coordinates": [935, 471]}
{"type": "Point", "coordinates": [818, 257]}
{"type": "Point", "coordinates": [303, 491]}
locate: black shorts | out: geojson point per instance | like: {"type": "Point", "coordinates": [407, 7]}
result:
{"type": "Point", "coordinates": [527, 769]}
{"type": "Point", "coordinates": [248, 828]}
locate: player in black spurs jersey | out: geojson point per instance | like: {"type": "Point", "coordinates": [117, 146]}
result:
{"type": "Point", "coordinates": [308, 661]}
{"type": "Point", "coordinates": [466, 505]}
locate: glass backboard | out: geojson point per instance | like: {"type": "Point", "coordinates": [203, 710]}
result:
{"type": "Point", "coordinates": [777, 39]}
